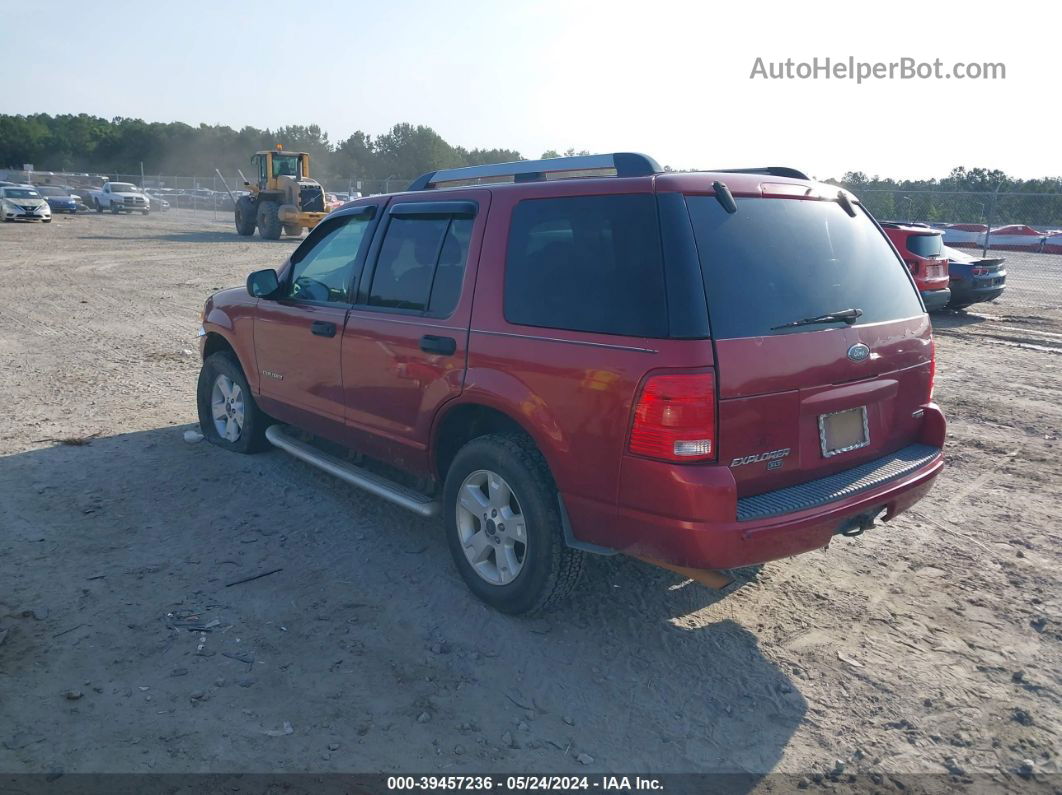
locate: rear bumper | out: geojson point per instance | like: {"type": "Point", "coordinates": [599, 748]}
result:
{"type": "Point", "coordinates": [967, 293]}
{"type": "Point", "coordinates": [936, 299]}
{"type": "Point", "coordinates": [741, 532]}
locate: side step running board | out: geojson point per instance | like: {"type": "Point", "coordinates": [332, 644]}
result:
{"type": "Point", "coordinates": [354, 475]}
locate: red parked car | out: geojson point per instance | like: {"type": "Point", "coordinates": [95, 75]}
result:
{"type": "Point", "coordinates": [922, 248]}
{"type": "Point", "coordinates": [704, 370]}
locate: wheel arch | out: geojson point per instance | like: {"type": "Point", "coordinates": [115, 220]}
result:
{"type": "Point", "coordinates": [461, 422]}
{"type": "Point", "coordinates": [217, 341]}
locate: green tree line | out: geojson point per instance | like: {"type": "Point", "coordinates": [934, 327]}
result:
{"type": "Point", "coordinates": [83, 143]}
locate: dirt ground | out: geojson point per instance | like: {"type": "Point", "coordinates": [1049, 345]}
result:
{"type": "Point", "coordinates": [929, 646]}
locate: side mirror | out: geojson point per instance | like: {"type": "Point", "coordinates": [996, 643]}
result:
{"type": "Point", "coordinates": [263, 283]}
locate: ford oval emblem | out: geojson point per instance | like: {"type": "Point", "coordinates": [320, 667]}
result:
{"type": "Point", "coordinates": [858, 352]}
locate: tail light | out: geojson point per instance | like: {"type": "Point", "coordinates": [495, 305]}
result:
{"type": "Point", "coordinates": [674, 418]}
{"type": "Point", "coordinates": [980, 271]}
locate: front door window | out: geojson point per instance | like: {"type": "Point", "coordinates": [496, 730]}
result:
{"type": "Point", "coordinates": [323, 266]}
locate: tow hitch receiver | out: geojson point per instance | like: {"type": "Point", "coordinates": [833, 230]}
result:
{"type": "Point", "coordinates": [860, 523]}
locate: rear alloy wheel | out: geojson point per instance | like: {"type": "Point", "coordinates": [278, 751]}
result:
{"type": "Point", "coordinates": [503, 525]}
{"type": "Point", "coordinates": [491, 527]}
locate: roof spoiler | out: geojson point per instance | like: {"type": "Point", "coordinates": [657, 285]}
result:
{"type": "Point", "coordinates": [626, 164]}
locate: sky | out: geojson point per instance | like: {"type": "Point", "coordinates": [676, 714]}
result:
{"type": "Point", "coordinates": [671, 79]}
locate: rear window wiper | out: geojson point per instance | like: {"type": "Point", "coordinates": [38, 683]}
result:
{"type": "Point", "coordinates": [849, 316]}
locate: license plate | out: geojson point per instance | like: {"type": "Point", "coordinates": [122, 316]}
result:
{"type": "Point", "coordinates": [841, 431]}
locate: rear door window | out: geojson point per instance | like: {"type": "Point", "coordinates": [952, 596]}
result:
{"type": "Point", "coordinates": [779, 260]}
{"type": "Point", "coordinates": [587, 263]}
{"type": "Point", "coordinates": [421, 264]}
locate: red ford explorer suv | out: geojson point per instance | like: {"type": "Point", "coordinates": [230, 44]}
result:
{"type": "Point", "coordinates": [922, 249]}
{"type": "Point", "coordinates": [587, 355]}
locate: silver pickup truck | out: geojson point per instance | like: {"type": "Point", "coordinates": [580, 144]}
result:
{"type": "Point", "coordinates": [119, 197]}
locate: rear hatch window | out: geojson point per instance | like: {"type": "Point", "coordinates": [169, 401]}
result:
{"type": "Point", "coordinates": [779, 260]}
{"type": "Point", "coordinates": [926, 245]}
{"type": "Point", "coordinates": [783, 388]}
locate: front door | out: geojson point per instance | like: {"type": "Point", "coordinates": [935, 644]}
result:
{"type": "Point", "coordinates": [298, 335]}
{"type": "Point", "coordinates": [406, 338]}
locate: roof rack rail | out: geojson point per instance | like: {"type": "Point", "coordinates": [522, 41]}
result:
{"type": "Point", "coordinates": [626, 164]}
{"type": "Point", "coordinates": [774, 171]}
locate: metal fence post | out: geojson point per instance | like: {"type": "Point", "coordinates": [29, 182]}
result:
{"type": "Point", "coordinates": [991, 211]}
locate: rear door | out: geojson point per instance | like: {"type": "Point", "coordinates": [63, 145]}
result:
{"type": "Point", "coordinates": [405, 342]}
{"type": "Point", "coordinates": [798, 402]}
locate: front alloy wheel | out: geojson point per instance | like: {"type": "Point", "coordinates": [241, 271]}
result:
{"type": "Point", "coordinates": [228, 414]}
{"type": "Point", "coordinates": [491, 527]}
{"type": "Point", "coordinates": [226, 407]}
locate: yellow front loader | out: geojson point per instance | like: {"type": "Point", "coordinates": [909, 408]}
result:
{"type": "Point", "coordinates": [284, 198]}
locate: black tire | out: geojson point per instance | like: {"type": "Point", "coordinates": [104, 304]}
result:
{"type": "Point", "coordinates": [269, 225]}
{"type": "Point", "coordinates": [99, 207]}
{"type": "Point", "coordinates": [245, 216]}
{"type": "Point", "coordinates": [292, 230]}
{"type": "Point", "coordinates": [252, 436]}
{"type": "Point", "coordinates": [115, 209]}
{"type": "Point", "coordinates": [550, 568]}
{"type": "Point", "coordinates": [144, 212]}
{"type": "Point", "coordinates": [46, 220]}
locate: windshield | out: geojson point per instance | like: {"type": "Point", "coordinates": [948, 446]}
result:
{"type": "Point", "coordinates": [52, 192]}
{"type": "Point", "coordinates": [779, 260]}
{"type": "Point", "coordinates": [285, 165]}
{"type": "Point", "coordinates": [123, 187]}
{"type": "Point", "coordinates": [926, 245]}
{"type": "Point", "coordinates": [21, 193]}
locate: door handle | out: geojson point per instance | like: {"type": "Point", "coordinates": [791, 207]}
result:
{"type": "Point", "coordinates": [447, 346]}
{"type": "Point", "coordinates": [323, 328]}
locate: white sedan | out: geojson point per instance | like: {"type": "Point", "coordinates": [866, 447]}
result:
{"type": "Point", "coordinates": [19, 203]}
